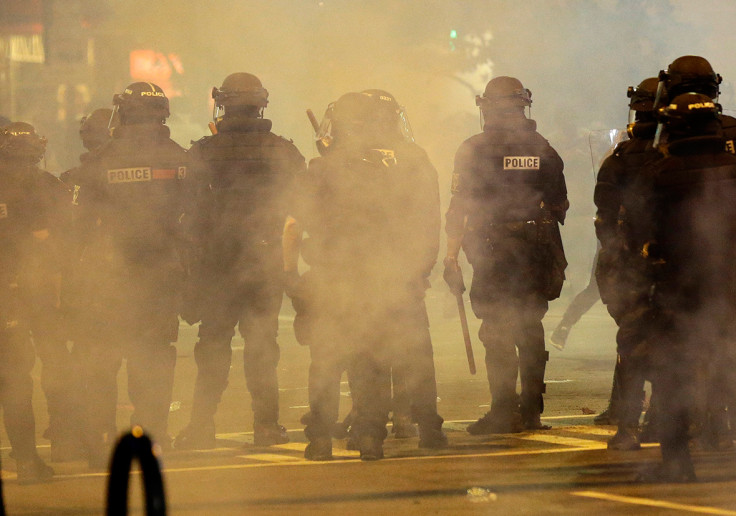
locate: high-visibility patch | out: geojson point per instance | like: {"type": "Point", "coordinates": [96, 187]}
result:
{"type": "Point", "coordinates": [182, 172]}
{"type": "Point", "coordinates": [129, 175]}
{"type": "Point", "coordinates": [3, 211]}
{"type": "Point", "coordinates": [521, 162]}
{"type": "Point", "coordinates": [163, 173]}
{"type": "Point", "coordinates": [730, 147]}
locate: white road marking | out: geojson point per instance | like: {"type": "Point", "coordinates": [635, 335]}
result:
{"type": "Point", "coordinates": [654, 503]}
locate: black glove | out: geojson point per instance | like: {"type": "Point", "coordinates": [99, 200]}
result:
{"type": "Point", "coordinates": [453, 276]}
{"type": "Point", "coordinates": [291, 283]}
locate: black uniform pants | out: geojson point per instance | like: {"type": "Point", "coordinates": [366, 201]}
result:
{"type": "Point", "coordinates": [61, 375]}
{"type": "Point", "coordinates": [412, 361]}
{"type": "Point", "coordinates": [512, 320]}
{"type": "Point", "coordinates": [16, 391]}
{"type": "Point", "coordinates": [348, 330]}
{"type": "Point", "coordinates": [142, 323]}
{"type": "Point", "coordinates": [254, 307]}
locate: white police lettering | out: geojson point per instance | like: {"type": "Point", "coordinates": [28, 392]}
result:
{"type": "Point", "coordinates": [521, 162]}
{"type": "Point", "coordinates": [129, 175]}
{"type": "Point", "coordinates": [152, 94]}
{"type": "Point", "coordinates": [3, 211]}
{"type": "Point", "coordinates": [730, 147]}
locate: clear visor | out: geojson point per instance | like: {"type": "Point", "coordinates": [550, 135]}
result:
{"type": "Point", "coordinates": [324, 136]}
{"type": "Point", "coordinates": [602, 143]}
{"type": "Point", "coordinates": [632, 116]}
{"type": "Point", "coordinates": [405, 126]}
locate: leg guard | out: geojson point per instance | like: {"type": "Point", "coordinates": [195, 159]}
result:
{"type": "Point", "coordinates": [213, 356]}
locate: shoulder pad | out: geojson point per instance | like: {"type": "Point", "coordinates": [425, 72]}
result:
{"type": "Point", "coordinates": [287, 140]}
{"type": "Point", "coordinates": [201, 141]}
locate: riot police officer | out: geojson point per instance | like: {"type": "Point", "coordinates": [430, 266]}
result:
{"type": "Point", "coordinates": [695, 74]}
{"type": "Point", "coordinates": [508, 197]}
{"type": "Point", "coordinates": [682, 220]}
{"type": "Point", "coordinates": [28, 275]}
{"type": "Point", "coordinates": [368, 206]}
{"type": "Point", "coordinates": [413, 380]}
{"type": "Point", "coordinates": [247, 173]}
{"type": "Point", "coordinates": [620, 272]}
{"type": "Point", "coordinates": [134, 190]}
{"type": "Point", "coordinates": [79, 320]}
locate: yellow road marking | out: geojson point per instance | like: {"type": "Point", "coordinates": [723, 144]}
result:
{"type": "Point", "coordinates": [654, 503]}
{"type": "Point", "coordinates": [271, 457]}
{"type": "Point", "coordinates": [343, 457]}
{"type": "Point", "coordinates": [589, 430]}
{"type": "Point", "coordinates": [558, 439]}
{"type": "Point", "coordinates": [291, 446]}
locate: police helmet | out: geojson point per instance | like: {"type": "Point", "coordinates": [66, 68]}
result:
{"type": "Point", "coordinates": [353, 108]}
{"type": "Point", "coordinates": [503, 92]}
{"type": "Point", "coordinates": [641, 97]}
{"type": "Point", "coordinates": [19, 142]}
{"type": "Point", "coordinates": [95, 128]}
{"type": "Point", "coordinates": [240, 92]}
{"type": "Point", "coordinates": [691, 114]}
{"type": "Point", "coordinates": [141, 102]}
{"type": "Point", "coordinates": [351, 115]}
{"type": "Point", "coordinates": [390, 114]}
{"type": "Point", "coordinates": [691, 74]}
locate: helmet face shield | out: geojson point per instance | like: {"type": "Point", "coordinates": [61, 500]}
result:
{"type": "Point", "coordinates": [324, 135]}
{"type": "Point", "coordinates": [405, 126]}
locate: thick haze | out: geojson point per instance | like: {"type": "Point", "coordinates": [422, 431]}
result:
{"type": "Point", "coordinates": [577, 56]}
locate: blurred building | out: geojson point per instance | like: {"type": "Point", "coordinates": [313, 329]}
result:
{"type": "Point", "coordinates": [49, 68]}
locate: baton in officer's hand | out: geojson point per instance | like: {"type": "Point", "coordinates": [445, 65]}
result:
{"type": "Point", "coordinates": [453, 276]}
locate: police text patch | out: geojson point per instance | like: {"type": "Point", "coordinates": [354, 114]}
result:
{"type": "Point", "coordinates": [129, 175]}
{"type": "Point", "coordinates": [3, 211]}
{"type": "Point", "coordinates": [521, 162]}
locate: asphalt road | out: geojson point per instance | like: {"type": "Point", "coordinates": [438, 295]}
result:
{"type": "Point", "coordinates": [565, 470]}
